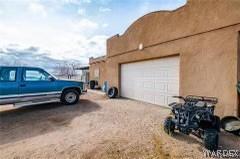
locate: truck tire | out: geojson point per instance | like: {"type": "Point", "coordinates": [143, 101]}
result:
{"type": "Point", "coordinates": [70, 96]}
{"type": "Point", "coordinates": [169, 126]}
{"type": "Point", "coordinates": [112, 92]}
{"type": "Point", "coordinates": [92, 84]}
{"type": "Point", "coordinates": [210, 139]}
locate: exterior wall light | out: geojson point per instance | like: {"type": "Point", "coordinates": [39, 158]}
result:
{"type": "Point", "coordinates": [140, 47]}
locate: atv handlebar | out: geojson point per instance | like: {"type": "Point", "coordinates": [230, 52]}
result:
{"type": "Point", "coordinates": [179, 97]}
{"type": "Point", "coordinates": [212, 100]}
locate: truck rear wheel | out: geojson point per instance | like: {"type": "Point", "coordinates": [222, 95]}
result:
{"type": "Point", "coordinates": [70, 97]}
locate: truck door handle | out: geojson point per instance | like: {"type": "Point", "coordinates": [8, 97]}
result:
{"type": "Point", "coordinates": [22, 85]}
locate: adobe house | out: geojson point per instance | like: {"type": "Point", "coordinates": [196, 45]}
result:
{"type": "Point", "coordinates": [97, 69]}
{"type": "Point", "coordinates": [193, 50]}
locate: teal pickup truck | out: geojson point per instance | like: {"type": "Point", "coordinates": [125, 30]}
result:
{"type": "Point", "coordinates": [23, 86]}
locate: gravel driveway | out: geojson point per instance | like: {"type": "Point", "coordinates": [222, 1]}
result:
{"type": "Point", "coordinates": [96, 127]}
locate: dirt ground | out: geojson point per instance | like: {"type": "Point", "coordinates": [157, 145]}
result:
{"type": "Point", "coordinates": [96, 127]}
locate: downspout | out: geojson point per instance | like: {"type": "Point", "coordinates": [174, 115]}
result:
{"type": "Point", "coordinates": [238, 76]}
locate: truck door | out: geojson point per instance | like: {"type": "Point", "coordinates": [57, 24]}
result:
{"type": "Point", "coordinates": [36, 82]}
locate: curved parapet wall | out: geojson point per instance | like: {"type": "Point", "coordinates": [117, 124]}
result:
{"type": "Point", "coordinates": [195, 17]}
{"type": "Point", "coordinates": [205, 34]}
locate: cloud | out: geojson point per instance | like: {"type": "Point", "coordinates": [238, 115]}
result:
{"type": "Point", "coordinates": [62, 34]}
{"type": "Point", "coordinates": [81, 11]}
{"type": "Point", "coordinates": [104, 2]}
{"type": "Point", "coordinates": [85, 24]}
{"type": "Point", "coordinates": [32, 49]}
{"type": "Point", "coordinates": [37, 8]}
{"type": "Point", "coordinates": [103, 9]}
{"type": "Point", "coordinates": [146, 6]}
{"type": "Point", "coordinates": [59, 42]}
{"type": "Point", "coordinates": [32, 56]}
{"type": "Point", "coordinates": [105, 25]}
{"type": "Point", "coordinates": [96, 45]}
{"type": "Point", "coordinates": [76, 2]}
{"type": "Point", "coordinates": [86, 1]}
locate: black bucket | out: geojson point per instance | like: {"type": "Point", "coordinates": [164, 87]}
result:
{"type": "Point", "coordinates": [231, 124]}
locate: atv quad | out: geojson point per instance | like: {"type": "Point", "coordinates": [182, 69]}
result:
{"type": "Point", "coordinates": [195, 115]}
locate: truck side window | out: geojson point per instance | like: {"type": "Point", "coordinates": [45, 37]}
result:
{"type": "Point", "coordinates": [35, 75]}
{"type": "Point", "coordinates": [8, 74]}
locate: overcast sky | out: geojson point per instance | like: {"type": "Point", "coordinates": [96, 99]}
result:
{"type": "Point", "coordinates": [67, 29]}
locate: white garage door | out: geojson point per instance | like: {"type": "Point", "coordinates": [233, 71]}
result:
{"type": "Point", "coordinates": [154, 81]}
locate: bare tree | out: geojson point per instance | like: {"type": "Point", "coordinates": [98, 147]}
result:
{"type": "Point", "coordinates": [66, 69]}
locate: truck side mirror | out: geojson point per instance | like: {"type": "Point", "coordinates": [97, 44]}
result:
{"type": "Point", "coordinates": [51, 78]}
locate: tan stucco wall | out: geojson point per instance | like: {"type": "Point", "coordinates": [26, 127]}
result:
{"type": "Point", "coordinates": [102, 72]}
{"type": "Point", "coordinates": [208, 65]}
{"type": "Point", "coordinates": [195, 17]}
{"type": "Point", "coordinates": [204, 33]}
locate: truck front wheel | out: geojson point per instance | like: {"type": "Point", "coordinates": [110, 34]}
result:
{"type": "Point", "coordinates": [70, 97]}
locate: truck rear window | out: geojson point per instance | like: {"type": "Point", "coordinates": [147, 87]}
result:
{"type": "Point", "coordinates": [8, 74]}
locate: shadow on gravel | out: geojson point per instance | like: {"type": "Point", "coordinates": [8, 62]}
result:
{"type": "Point", "coordinates": [227, 141]}
{"type": "Point", "coordinates": [26, 122]}
{"type": "Point", "coordinates": [186, 138]}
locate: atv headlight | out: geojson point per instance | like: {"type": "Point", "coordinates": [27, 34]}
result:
{"type": "Point", "coordinates": [197, 116]}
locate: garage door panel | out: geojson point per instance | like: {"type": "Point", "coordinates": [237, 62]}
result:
{"type": "Point", "coordinates": [172, 88]}
{"type": "Point", "coordinates": [148, 73]}
{"type": "Point", "coordinates": [160, 99]}
{"type": "Point", "coordinates": [139, 83]}
{"type": "Point", "coordinates": [138, 95]}
{"type": "Point", "coordinates": [161, 87]}
{"type": "Point", "coordinates": [161, 73]}
{"type": "Point", "coordinates": [172, 74]}
{"type": "Point", "coordinates": [148, 98]}
{"type": "Point", "coordinates": [148, 84]}
{"type": "Point", "coordinates": [152, 81]}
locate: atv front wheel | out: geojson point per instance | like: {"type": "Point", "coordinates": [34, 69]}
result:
{"type": "Point", "coordinates": [210, 139]}
{"type": "Point", "coordinates": [169, 125]}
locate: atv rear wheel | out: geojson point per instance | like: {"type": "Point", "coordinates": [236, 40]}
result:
{"type": "Point", "coordinates": [169, 125]}
{"type": "Point", "coordinates": [210, 139]}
